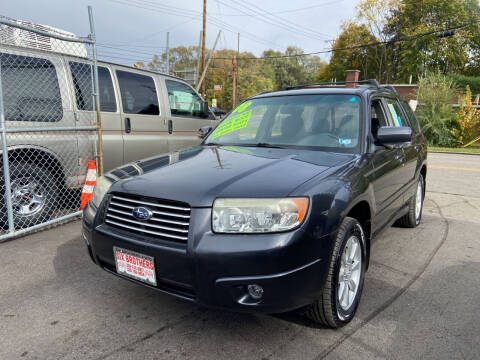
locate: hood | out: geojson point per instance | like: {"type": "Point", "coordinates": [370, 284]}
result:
{"type": "Point", "coordinates": [199, 175]}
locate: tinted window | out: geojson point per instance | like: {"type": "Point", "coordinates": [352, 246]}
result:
{"type": "Point", "coordinates": [183, 100]}
{"type": "Point", "coordinates": [398, 116]}
{"type": "Point", "coordinates": [411, 117]}
{"type": "Point", "coordinates": [83, 83]}
{"type": "Point", "coordinates": [303, 121]}
{"type": "Point", "coordinates": [138, 93]}
{"type": "Point", "coordinates": [30, 89]}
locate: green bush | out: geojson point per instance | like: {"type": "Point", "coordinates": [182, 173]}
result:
{"type": "Point", "coordinates": [463, 81]}
{"type": "Point", "coordinates": [437, 117]}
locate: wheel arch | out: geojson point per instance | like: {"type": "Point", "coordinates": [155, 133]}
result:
{"type": "Point", "coordinates": [43, 157]}
{"type": "Point", "coordinates": [362, 212]}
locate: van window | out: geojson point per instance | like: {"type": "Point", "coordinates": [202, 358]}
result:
{"type": "Point", "coordinates": [30, 89]}
{"type": "Point", "coordinates": [183, 100]}
{"type": "Point", "coordinates": [138, 93]}
{"type": "Point", "coordinates": [83, 83]}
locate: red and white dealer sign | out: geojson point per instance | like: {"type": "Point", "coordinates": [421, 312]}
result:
{"type": "Point", "coordinates": [137, 266]}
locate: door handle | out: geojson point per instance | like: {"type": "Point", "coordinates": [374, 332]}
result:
{"type": "Point", "coordinates": [399, 155]}
{"type": "Point", "coordinates": [170, 126]}
{"type": "Point", "coordinates": [128, 126]}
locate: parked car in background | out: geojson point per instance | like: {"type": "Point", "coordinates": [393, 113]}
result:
{"type": "Point", "coordinates": [143, 113]}
{"type": "Point", "coordinates": [219, 113]}
{"type": "Point", "coordinates": [276, 210]}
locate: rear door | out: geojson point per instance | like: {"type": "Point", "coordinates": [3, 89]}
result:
{"type": "Point", "coordinates": [144, 125]}
{"type": "Point", "coordinates": [185, 115]}
{"type": "Point", "coordinates": [110, 111]}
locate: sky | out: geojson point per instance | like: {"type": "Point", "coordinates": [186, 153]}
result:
{"type": "Point", "coordinates": [132, 30]}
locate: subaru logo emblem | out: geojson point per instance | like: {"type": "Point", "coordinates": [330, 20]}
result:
{"type": "Point", "coordinates": [142, 213]}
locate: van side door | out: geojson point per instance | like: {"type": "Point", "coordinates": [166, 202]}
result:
{"type": "Point", "coordinates": [143, 123]}
{"type": "Point", "coordinates": [110, 111]}
{"type": "Point", "coordinates": [185, 115]}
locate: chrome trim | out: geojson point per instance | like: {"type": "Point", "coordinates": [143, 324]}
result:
{"type": "Point", "coordinates": [147, 224]}
{"type": "Point", "coordinates": [155, 212]}
{"type": "Point", "coordinates": [153, 218]}
{"type": "Point", "coordinates": [152, 204]}
{"type": "Point", "coordinates": [147, 231]}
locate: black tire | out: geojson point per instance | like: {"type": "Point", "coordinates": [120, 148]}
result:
{"type": "Point", "coordinates": [46, 186]}
{"type": "Point", "coordinates": [327, 310]}
{"type": "Point", "coordinates": [411, 220]}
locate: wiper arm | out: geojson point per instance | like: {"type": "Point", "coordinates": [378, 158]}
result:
{"type": "Point", "coordinates": [267, 145]}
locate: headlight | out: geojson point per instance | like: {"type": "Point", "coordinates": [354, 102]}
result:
{"type": "Point", "coordinates": [257, 215]}
{"type": "Point", "coordinates": [101, 187]}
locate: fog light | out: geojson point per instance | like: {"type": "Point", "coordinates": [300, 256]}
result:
{"type": "Point", "coordinates": [255, 291]}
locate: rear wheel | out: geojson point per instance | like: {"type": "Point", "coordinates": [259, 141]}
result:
{"type": "Point", "coordinates": [33, 194]}
{"type": "Point", "coordinates": [415, 207]}
{"type": "Point", "coordinates": [343, 288]}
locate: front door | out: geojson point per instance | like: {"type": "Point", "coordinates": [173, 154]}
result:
{"type": "Point", "coordinates": [388, 164]}
{"type": "Point", "coordinates": [143, 124]}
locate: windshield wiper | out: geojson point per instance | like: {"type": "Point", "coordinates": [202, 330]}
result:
{"type": "Point", "coordinates": [267, 145]}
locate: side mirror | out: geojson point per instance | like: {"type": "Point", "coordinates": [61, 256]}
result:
{"type": "Point", "coordinates": [394, 135]}
{"type": "Point", "coordinates": [205, 109]}
{"type": "Point", "coordinates": [204, 131]}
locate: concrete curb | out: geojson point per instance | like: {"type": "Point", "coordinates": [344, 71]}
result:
{"type": "Point", "coordinates": [453, 153]}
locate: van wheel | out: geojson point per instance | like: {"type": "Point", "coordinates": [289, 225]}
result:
{"type": "Point", "coordinates": [33, 194]}
{"type": "Point", "coordinates": [343, 288]}
{"type": "Point", "coordinates": [415, 206]}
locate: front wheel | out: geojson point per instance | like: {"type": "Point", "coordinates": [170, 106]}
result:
{"type": "Point", "coordinates": [343, 288]}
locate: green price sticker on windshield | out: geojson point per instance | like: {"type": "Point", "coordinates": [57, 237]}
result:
{"type": "Point", "coordinates": [235, 122]}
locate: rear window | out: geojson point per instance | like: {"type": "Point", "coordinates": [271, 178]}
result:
{"type": "Point", "coordinates": [30, 89]}
{"type": "Point", "coordinates": [83, 82]}
{"type": "Point", "coordinates": [139, 95]}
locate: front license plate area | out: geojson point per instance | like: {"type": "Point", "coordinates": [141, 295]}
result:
{"type": "Point", "coordinates": [134, 265]}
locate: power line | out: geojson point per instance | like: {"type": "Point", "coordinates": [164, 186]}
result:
{"type": "Point", "coordinates": [294, 29]}
{"type": "Point", "coordinates": [210, 19]}
{"type": "Point", "coordinates": [378, 43]}
{"type": "Point", "coordinates": [281, 20]}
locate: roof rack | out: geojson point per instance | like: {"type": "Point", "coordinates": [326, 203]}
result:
{"type": "Point", "coordinates": [371, 82]}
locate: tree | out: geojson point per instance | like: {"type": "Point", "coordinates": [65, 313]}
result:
{"type": "Point", "coordinates": [458, 53]}
{"type": "Point", "coordinates": [362, 59]}
{"type": "Point", "coordinates": [375, 15]}
{"type": "Point", "coordinates": [435, 113]}
{"type": "Point", "coordinates": [468, 118]}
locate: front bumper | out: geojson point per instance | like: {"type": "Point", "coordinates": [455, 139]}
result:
{"type": "Point", "coordinates": [215, 269]}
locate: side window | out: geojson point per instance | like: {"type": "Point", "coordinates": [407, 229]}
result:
{"type": "Point", "coordinates": [30, 88]}
{"type": "Point", "coordinates": [138, 93]}
{"type": "Point", "coordinates": [411, 117]}
{"type": "Point", "coordinates": [183, 100]}
{"type": "Point", "coordinates": [377, 117]}
{"type": "Point", "coordinates": [398, 116]}
{"type": "Point", "coordinates": [83, 83]}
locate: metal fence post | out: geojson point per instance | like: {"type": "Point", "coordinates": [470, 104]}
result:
{"type": "Point", "coordinates": [6, 170]}
{"type": "Point", "coordinates": [99, 155]}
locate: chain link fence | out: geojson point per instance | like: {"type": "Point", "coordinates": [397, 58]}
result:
{"type": "Point", "coordinates": [48, 124]}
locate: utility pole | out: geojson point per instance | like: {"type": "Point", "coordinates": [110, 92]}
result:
{"type": "Point", "coordinates": [168, 53]}
{"type": "Point", "coordinates": [203, 42]}
{"type": "Point", "coordinates": [199, 60]}
{"type": "Point", "coordinates": [234, 83]}
{"type": "Point", "coordinates": [212, 54]}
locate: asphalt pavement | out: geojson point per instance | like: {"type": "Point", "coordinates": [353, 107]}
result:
{"type": "Point", "coordinates": [420, 300]}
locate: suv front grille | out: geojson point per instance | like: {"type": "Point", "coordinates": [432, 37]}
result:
{"type": "Point", "coordinates": [170, 219]}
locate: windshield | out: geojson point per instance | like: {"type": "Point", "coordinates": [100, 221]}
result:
{"type": "Point", "coordinates": [331, 122]}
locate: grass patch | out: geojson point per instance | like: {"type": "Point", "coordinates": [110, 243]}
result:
{"type": "Point", "coordinates": [468, 150]}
